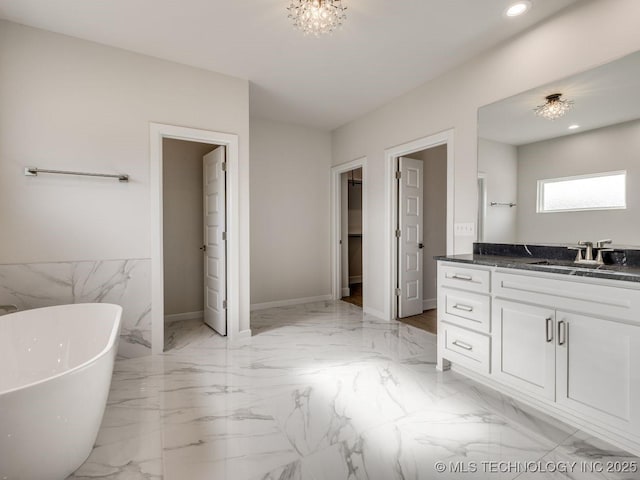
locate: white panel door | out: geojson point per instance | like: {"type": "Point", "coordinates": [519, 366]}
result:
{"type": "Point", "coordinates": [410, 248]}
{"type": "Point", "coordinates": [524, 349]}
{"type": "Point", "coordinates": [598, 365]}
{"type": "Point", "coordinates": [215, 258]}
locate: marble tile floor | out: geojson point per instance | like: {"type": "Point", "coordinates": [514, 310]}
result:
{"type": "Point", "coordinates": [178, 335]}
{"type": "Point", "coordinates": [320, 391]}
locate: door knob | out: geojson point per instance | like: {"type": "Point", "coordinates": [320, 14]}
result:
{"type": "Point", "coordinates": [203, 248]}
{"type": "Point", "coordinates": [421, 245]}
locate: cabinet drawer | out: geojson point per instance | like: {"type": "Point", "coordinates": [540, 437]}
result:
{"type": "Point", "coordinates": [465, 278]}
{"type": "Point", "coordinates": [467, 348]}
{"type": "Point", "coordinates": [569, 293]}
{"type": "Point", "coordinates": [470, 310]}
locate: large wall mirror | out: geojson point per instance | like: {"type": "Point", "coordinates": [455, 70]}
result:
{"type": "Point", "coordinates": [546, 180]}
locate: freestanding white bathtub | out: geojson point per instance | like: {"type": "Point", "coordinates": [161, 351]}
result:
{"type": "Point", "coordinates": [55, 372]}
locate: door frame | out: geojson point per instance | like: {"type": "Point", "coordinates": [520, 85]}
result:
{"type": "Point", "coordinates": [482, 207]}
{"type": "Point", "coordinates": [391, 158]}
{"type": "Point", "coordinates": [237, 278]}
{"type": "Point", "coordinates": [336, 227]}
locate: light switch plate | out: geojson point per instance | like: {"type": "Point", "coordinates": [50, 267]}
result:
{"type": "Point", "coordinates": [465, 229]}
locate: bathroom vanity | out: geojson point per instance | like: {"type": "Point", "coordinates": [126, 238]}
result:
{"type": "Point", "coordinates": [558, 336]}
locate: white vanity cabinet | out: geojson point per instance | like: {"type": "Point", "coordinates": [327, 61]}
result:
{"type": "Point", "coordinates": [567, 344]}
{"type": "Point", "coordinates": [524, 356]}
{"type": "Point", "coordinates": [464, 315]}
{"type": "Point", "coordinates": [598, 370]}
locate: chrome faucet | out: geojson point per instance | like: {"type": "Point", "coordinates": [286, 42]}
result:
{"type": "Point", "coordinates": [588, 251]}
{"type": "Point", "coordinates": [588, 255]}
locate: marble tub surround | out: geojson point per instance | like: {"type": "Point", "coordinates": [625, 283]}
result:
{"type": "Point", "coordinates": [122, 282]}
{"type": "Point", "coordinates": [320, 391]}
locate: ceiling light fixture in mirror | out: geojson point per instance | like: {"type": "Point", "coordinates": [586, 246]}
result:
{"type": "Point", "coordinates": [554, 108]}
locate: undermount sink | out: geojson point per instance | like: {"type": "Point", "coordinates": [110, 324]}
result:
{"type": "Point", "coordinates": [564, 265]}
{"type": "Point", "coordinates": [561, 264]}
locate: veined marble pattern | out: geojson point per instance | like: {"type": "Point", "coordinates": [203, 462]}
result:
{"type": "Point", "coordinates": [319, 392]}
{"type": "Point", "coordinates": [123, 282]}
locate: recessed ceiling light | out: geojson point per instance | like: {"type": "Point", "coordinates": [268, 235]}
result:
{"type": "Point", "coordinates": [518, 8]}
{"type": "Point", "coordinates": [573, 127]}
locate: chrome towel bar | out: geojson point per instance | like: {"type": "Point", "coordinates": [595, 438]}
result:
{"type": "Point", "coordinates": [33, 171]}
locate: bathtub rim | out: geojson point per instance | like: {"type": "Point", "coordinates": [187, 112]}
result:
{"type": "Point", "coordinates": [113, 338]}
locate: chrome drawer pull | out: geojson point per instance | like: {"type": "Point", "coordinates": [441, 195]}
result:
{"type": "Point", "coordinates": [460, 344]}
{"type": "Point", "coordinates": [464, 308]}
{"type": "Point", "coordinates": [549, 331]}
{"type": "Point", "coordinates": [459, 276]}
{"type": "Point", "coordinates": [562, 332]}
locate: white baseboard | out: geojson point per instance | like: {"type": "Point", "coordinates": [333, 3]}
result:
{"type": "Point", "coordinates": [178, 317]}
{"type": "Point", "coordinates": [429, 304]}
{"type": "Point", "coordinates": [355, 279]}
{"type": "Point", "coordinates": [374, 312]}
{"type": "Point", "coordinates": [292, 301]}
{"type": "Point", "coordinates": [346, 292]}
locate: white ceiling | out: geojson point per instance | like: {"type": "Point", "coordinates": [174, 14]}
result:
{"type": "Point", "coordinates": [385, 48]}
{"type": "Point", "coordinates": [603, 96]}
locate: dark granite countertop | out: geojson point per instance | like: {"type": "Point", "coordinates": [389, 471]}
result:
{"type": "Point", "coordinates": [626, 273]}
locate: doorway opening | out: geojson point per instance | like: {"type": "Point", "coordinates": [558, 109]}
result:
{"type": "Point", "coordinates": [236, 230]}
{"type": "Point", "coordinates": [422, 234]}
{"type": "Point", "coordinates": [194, 231]}
{"type": "Point", "coordinates": [351, 236]}
{"type": "Point", "coordinates": [421, 197]}
{"type": "Point", "coordinates": [349, 232]}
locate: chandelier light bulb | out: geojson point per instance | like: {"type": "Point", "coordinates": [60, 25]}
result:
{"type": "Point", "coordinates": [554, 108]}
{"type": "Point", "coordinates": [317, 17]}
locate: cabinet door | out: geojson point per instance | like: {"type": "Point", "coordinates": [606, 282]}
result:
{"type": "Point", "coordinates": [598, 371]}
{"type": "Point", "coordinates": [524, 349]}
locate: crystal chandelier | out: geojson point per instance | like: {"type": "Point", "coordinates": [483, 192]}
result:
{"type": "Point", "coordinates": [317, 16]}
{"type": "Point", "coordinates": [554, 108]}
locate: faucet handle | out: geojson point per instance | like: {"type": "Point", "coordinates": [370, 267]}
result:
{"type": "Point", "coordinates": [579, 256]}
{"type": "Point", "coordinates": [602, 243]}
{"type": "Point", "coordinates": [600, 257]}
{"type": "Point", "coordinates": [586, 244]}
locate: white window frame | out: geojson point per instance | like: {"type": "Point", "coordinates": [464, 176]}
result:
{"type": "Point", "coordinates": [543, 182]}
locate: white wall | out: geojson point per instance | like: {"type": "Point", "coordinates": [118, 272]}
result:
{"type": "Point", "coordinates": [552, 50]}
{"type": "Point", "coordinates": [499, 161]}
{"type": "Point", "coordinates": [183, 225]}
{"type": "Point", "coordinates": [76, 105]}
{"type": "Point", "coordinates": [596, 151]}
{"type": "Point", "coordinates": [70, 104]}
{"type": "Point", "coordinates": [290, 208]}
